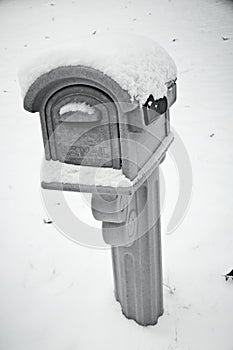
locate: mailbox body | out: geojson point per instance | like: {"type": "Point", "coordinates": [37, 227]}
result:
{"type": "Point", "coordinates": [119, 133]}
{"type": "Point", "coordinates": [79, 137]}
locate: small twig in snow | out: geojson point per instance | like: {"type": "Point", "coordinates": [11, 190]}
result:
{"type": "Point", "coordinates": [171, 289]}
{"type": "Point", "coordinates": [176, 337]}
{"type": "Point", "coordinates": [186, 306]}
{"type": "Point", "coordinates": [32, 266]}
{"type": "Point", "coordinates": [185, 71]}
{"type": "Point", "coordinates": [48, 221]}
{"type": "Point", "coordinates": [228, 275]}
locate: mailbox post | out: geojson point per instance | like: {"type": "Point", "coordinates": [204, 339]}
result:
{"type": "Point", "coordinates": [88, 119]}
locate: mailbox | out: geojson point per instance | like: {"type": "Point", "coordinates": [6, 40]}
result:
{"type": "Point", "coordinates": [77, 122]}
{"type": "Point", "coordinates": [89, 120]}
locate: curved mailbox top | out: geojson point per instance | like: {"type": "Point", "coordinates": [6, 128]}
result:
{"type": "Point", "coordinates": [57, 79]}
{"type": "Point", "coordinates": [137, 65]}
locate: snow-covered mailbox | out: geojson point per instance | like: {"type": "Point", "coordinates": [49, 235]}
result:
{"type": "Point", "coordinates": [104, 110]}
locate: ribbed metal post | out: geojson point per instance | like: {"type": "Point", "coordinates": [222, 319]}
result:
{"type": "Point", "coordinates": [137, 268]}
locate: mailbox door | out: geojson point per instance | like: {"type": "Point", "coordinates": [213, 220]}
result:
{"type": "Point", "coordinates": [83, 127]}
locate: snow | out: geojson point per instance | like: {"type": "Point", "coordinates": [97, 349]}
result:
{"type": "Point", "coordinates": [59, 295]}
{"type": "Point", "coordinates": [138, 64]}
{"type": "Point", "coordinates": [76, 107]}
{"type": "Point", "coordinates": [54, 171]}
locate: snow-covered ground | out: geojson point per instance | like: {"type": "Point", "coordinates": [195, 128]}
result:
{"type": "Point", "coordinates": [55, 294]}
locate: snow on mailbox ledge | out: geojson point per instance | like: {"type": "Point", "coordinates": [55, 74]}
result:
{"type": "Point", "coordinates": [138, 64]}
{"type": "Point", "coordinates": [57, 172]}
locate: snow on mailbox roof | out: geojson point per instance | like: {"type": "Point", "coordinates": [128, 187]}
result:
{"type": "Point", "coordinates": [138, 64]}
